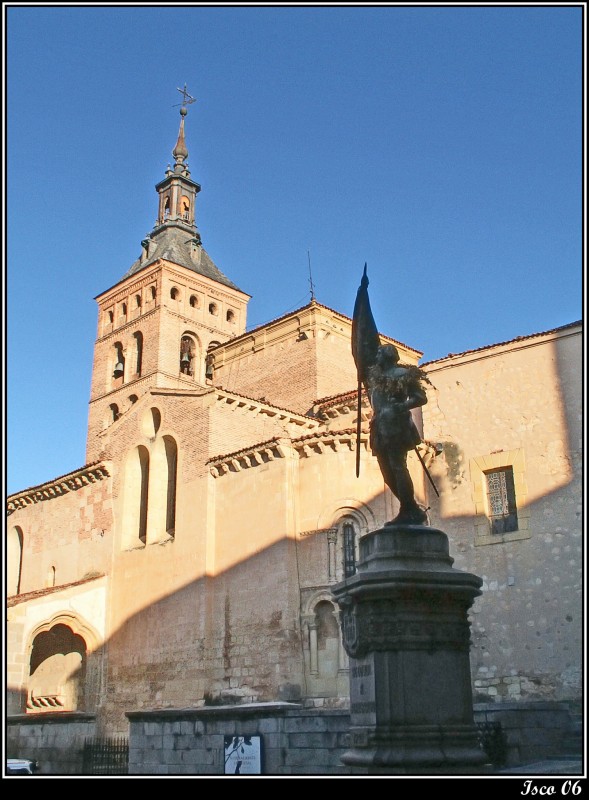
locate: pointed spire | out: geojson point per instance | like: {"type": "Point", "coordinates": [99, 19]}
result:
{"type": "Point", "coordinates": [180, 152]}
{"type": "Point", "coordinates": [178, 191]}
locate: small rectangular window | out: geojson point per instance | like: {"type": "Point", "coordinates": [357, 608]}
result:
{"type": "Point", "coordinates": [502, 509]}
{"type": "Point", "coordinates": [349, 550]}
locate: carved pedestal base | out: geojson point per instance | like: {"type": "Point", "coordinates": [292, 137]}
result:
{"type": "Point", "coordinates": [405, 627]}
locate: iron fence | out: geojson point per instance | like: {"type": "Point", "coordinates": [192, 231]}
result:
{"type": "Point", "coordinates": [108, 756]}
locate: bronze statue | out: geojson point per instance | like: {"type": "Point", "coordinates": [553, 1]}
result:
{"type": "Point", "coordinates": [393, 390]}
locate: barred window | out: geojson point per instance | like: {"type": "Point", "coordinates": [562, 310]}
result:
{"type": "Point", "coordinates": [349, 549]}
{"type": "Point", "coordinates": [502, 509]}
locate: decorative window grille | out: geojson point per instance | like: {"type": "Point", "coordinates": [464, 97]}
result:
{"type": "Point", "coordinates": [349, 550]}
{"type": "Point", "coordinates": [501, 500]}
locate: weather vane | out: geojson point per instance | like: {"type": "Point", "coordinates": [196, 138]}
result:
{"type": "Point", "coordinates": [187, 99]}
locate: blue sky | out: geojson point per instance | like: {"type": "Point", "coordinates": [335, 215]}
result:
{"type": "Point", "coordinates": [441, 145]}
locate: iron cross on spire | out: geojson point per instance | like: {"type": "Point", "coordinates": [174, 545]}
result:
{"type": "Point", "coordinates": [187, 99]}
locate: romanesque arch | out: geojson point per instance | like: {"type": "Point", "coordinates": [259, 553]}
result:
{"type": "Point", "coordinates": [326, 660]}
{"type": "Point", "coordinates": [64, 667]}
{"type": "Point", "coordinates": [347, 522]}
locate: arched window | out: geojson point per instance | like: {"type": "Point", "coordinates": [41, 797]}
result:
{"type": "Point", "coordinates": [14, 547]}
{"type": "Point", "coordinates": [108, 321]}
{"type": "Point", "coordinates": [326, 655]}
{"type": "Point", "coordinates": [349, 528]}
{"type": "Point", "coordinates": [213, 309]}
{"type": "Point", "coordinates": [135, 497]}
{"type": "Point", "coordinates": [137, 301]}
{"type": "Point", "coordinates": [50, 578]}
{"type": "Point", "coordinates": [327, 625]}
{"type": "Point", "coordinates": [174, 293]}
{"type": "Point", "coordinates": [185, 207]}
{"type": "Point", "coordinates": [119, 368]}
{"type": "Point", "coordinates": [187, 355]}
{"type": "Point", "coordinates": [230, 316]}
{"type": "Point", "coordinates": [138, 336]}
{"type": "Point", "coordinates": [166, 207]}
{"type": "Point", "coordinates": [132, 399]}
{"type": "Point", "coordinates": [210, 361]}
{"type": "Point", "coordinates": [153, 292]}
{"type": "Point", "coordinates": [114, 412]}
{"type": "Point", "coordinates": [349, 547]}
{"type": "Point", "coordinates": [194, 301]}
{"type": "Point", "coordinates": [56, 671]}
{"type": "Point", "coordinates": [172, 467]}
{"type": "Point", "coordinates": [150, 479]}
{"type": "Point", "coordinates": [143, 498]}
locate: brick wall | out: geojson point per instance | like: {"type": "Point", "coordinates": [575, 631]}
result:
{"type": "Point", "coordinates": [66, 529]}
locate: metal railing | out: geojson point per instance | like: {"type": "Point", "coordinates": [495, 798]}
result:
{"type": "Point", "coordinates": [108, 756]}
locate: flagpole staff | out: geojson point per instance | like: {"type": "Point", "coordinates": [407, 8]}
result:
{"type": "Point", "coordinates": [358, 428]}
{"type": "Point", "coordinates": [426, 470]}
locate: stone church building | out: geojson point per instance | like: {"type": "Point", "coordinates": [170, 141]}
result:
{"type": "Point", "coordinates": [187, 567]}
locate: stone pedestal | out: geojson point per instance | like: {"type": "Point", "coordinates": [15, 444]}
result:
{"type": "Point", "coordinates": [405, 626]}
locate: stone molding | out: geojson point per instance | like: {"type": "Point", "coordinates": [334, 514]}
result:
{"type": "Point", "coordinates": [48, 491]}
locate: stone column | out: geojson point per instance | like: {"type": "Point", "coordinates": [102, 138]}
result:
{"type": "Point", "coordinates": [404, 618]}
{"type": "Point", "coordinates": [331, 543]}
{"type": "Point", "coordinates": [313, 653]}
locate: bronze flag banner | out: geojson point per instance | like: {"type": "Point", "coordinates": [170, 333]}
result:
{"type": "Point", "coordinates": [365, 343]}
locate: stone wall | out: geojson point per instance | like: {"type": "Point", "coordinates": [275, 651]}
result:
{"type": "Point", "coordinates": [55, 741]}
{"type": "Point", "coordinates": [191, 742]}
{"type": "Point", "coordinates": [533, 731]}
{"type": "Point", "coordinates": [295, 740]}
{"type": "Point", "coordinates": [516, 404]}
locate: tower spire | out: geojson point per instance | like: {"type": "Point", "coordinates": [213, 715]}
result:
{"type": "Point", "coordinates": [178, 191]}
{"type": "Point", "coordinates": [175, 237]}
{"type": "Point", "coordinates": [180, 152]}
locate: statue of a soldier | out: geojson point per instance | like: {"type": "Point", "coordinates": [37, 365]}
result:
{"type": "Point", "coordinates": [393, 390]}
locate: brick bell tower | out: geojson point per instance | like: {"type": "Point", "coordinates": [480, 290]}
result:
{"type": "Point", "coordinates": [157, 324]}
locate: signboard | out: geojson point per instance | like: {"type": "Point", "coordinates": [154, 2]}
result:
{"type": "Point", "coordinates": [243, 755]}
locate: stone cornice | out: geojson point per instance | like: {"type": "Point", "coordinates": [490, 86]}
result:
{"type": "Point", "coordinates": [59, 486]}
{"type": "Point", "coordinates": [261, 453]}
{"type": "Point", "coordinates": [247, 403]}
{"type": "Point", "coordinates": [326, 441]}
{"type": "Point", "coordinates": [311, 444]}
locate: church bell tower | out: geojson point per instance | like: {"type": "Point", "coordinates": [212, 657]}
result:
{"type": "Point", "coordinates": [157, 324]}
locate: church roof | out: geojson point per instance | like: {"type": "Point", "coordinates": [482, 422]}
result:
{"type": "Point", "coordinates": [501, 344]}
{"type": "Point", "coordinates": [176, 244]}
{"type": "Point", "coordinates": [175, 237]}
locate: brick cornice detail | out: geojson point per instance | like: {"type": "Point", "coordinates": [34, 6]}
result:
{"type": "Point", "coordinates": [261, 453]}
{"type": "Point", "coordinates": [48, 491]}
{"type": "Point", "coordinates": [304, 447]}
